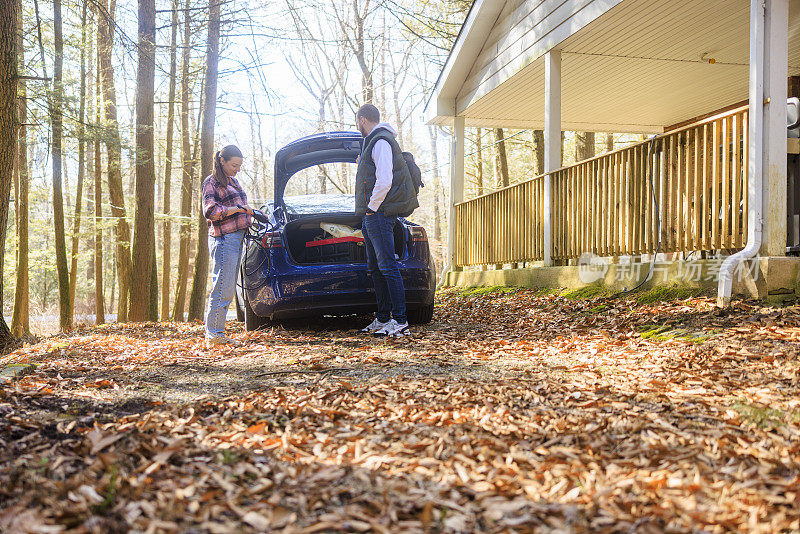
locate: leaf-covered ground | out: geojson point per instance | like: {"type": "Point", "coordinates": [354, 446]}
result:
{"type": "Point", "coordinates": [511, 412]}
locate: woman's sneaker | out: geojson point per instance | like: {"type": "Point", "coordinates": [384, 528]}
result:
{"type": "Point", "coordinates": [374, 326]}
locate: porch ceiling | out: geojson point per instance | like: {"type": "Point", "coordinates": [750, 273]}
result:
{"type": "Point", "coordinates": [639, 67]}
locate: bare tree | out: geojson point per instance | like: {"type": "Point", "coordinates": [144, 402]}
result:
{"type": "Point", "coordinates": [56, 118]}
{"type": "Point", "coordinates": [167, 243]}
{"type": "Point", "coordinates": [584, 145]}
{"type": "Point", "coordinates": [99, 300]}
{"type": "Point", "coordinates": [501, 161]}
{"type": "Point", "coordinates": [319, 70]}
{"type": "Point", "coordinates": [197, 296]}
{"type": "Point", "coordinates": [144, 234]}
{"type": "Point", "coordinates": [76, 221]}
{"type": "Point", "coordinates": [8, 130]}
{"type": "Point", "coordinates": [479, 159]}
{"type": "Point", "coordinates": [352, 18]}
{"type": "Point", "coordinates": [187, 169]}
{"type": "Point", "coordinates": [114, 152]}
{"type": "Point", "coordinates": [538, 148]}
{"type": "Point", "coordinates": [437, 217]}
{"type": "Point", "coordinates": [20, 320]}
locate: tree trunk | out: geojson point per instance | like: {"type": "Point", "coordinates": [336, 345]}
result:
{"type": "Point", "coordinates": [437, 216]}
{"type": "Point", "coordinates": [167, 244]}
{"type": "Point", "coordinates": [8, 130]}
{"type": "Point", "coordinates": [152, 301]}
{"type": "Point", "coordinates": [144, 222]}
{"type": "Point", "coordinates": [538, 148]}
{"type": "Point", "coordinates": [76, 222]}
{"type": "Point", "coordinates": [99, 300]}
{"type": "Point", "coordinates": [114, 151]}
{"type": "Point", "coordinates": [479, 157]}
{"type": "Point", "coordinates": [20, 321]}
{"type": "Point", "coordinates": [501, 162]}
{"type": "Point", "coordinates": [367, 85]}
{"type": "Point", "coordinates": [64, 317]}
{"type": "Point", "coordinates": [584, 145]}
{"type": "Point", "coordinates": [197, 297]}
{"type": "Point", "coordinates": [186, 181]}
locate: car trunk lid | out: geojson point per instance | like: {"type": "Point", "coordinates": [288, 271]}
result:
{"type": "Point", "coordinates": [329, 147]}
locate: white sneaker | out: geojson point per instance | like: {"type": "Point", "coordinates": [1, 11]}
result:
{"type": "Point", "coordinates": [384, 330]}
{"type": "Point", "coordinates": [374, 326]}
{"type": "Point", "coordinates": [399, 330]}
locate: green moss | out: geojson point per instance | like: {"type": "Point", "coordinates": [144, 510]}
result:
{"type": "Point", "coordinates": [666, 332]}
{"type": "Point", "coordinates": [763, 416]}
{"type": "Point", "coordinates": [229, 457]}
{"type": "Point", "coordinates": [666, 292]}
{"type": "Point", "coordinates": [589, 292]}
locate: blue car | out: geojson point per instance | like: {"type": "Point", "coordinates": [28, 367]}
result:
{"type": "Point", "coordinates": [294, 267]}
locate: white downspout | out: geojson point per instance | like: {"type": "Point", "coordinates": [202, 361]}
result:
{"type": "Point", "coordinates": [756, 154]}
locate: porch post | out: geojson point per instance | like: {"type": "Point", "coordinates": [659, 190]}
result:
{"type": "Point", "coordinates": [552, 141]}
{"type": "Point", "coordinates": [456, 186]}
{"type": "Point", "coordinates": [776, 65]}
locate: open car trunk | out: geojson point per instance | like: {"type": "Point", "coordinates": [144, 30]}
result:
{"type": "Point", "coordinates": [309, 244]}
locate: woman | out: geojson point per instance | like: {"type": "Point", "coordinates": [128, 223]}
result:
{"type": "Point", "coordinates": [225, 207]}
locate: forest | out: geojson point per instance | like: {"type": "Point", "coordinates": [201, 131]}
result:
{"type": "Point", "coordinates": [117, 110]}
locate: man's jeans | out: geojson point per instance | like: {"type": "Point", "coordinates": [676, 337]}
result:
{"type": "Point", "coordinates": [379, 239]}
{"type": "Point", "coordinates": [225, 252]}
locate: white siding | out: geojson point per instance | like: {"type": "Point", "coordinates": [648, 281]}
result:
{"type": "Point", "coordinates": [523, 32]}
{"type": "Point", "coordinates": [636, 67]}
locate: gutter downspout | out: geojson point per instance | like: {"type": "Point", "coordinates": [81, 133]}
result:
{"type": "Point", "coordinates": [756, 154]}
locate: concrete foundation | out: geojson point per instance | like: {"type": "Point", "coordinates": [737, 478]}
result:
{"type": "Point", "coordinates": [776, 277]}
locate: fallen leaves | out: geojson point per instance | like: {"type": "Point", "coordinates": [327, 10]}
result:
{"type": "Point", "coordinates": [520, 412]}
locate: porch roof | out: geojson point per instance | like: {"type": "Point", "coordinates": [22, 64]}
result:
{"type": "Point", "coordinates": [627, 65]}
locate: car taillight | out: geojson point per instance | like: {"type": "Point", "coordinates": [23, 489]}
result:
{"type": "Point", "coordinates": [272, 240]}
{"type": "Point", "coordinates": [418, 234]}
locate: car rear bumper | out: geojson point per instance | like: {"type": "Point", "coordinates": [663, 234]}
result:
{"type": "Point", "coordinates": [351, 304]}
{"type": "Point", "coordinates": [336, 292]}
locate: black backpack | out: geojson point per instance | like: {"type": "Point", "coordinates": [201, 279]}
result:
{"type": "Point", "coordinates": [414, 171]}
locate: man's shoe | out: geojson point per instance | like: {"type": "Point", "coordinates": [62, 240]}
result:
{"type": "Point", "coordinates": [399, 330]}
{"type": "Point", "coordinates": [374, 326]}
{"type": "Point", "coordinates": [384, 330]}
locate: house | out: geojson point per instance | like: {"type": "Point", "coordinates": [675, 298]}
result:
{"type": "Point", "coordinates": [708, 77]}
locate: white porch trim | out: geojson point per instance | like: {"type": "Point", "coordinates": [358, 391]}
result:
{"type": "Point", "coordinates": [456, 184]}
{"type": "Point", "coordinates": [552, 142]}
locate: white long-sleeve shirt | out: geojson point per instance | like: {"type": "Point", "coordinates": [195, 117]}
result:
{"type": "Point", "coordinates": [382, 156]}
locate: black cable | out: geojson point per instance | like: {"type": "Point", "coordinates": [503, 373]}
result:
{"type": "Point", "coordinates": [658, 217]}
{"type": "Point", "coordinates": [256, 236]}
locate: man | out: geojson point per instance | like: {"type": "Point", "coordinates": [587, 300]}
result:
{"type": "Point", "coordinates": [384, 192]}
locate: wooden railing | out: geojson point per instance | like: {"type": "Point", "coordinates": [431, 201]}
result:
{"type": "Point", "coordinates": [605, 205]}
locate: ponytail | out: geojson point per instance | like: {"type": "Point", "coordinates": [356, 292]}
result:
{"type": "Point", "coordinates": [230, 151]}
{"type": "Point", "coordinates": [218, 174]}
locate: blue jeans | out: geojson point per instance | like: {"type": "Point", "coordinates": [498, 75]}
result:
{"type": "Point", "coordinates": [225, 252]}
{"type": "Point", "coordinates": [389, 291]}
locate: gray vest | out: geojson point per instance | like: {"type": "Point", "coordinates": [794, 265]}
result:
{"type": "Point", "coordinates": [401, 200]}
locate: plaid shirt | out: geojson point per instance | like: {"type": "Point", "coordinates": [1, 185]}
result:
{"type": "Point", "coordinates": [216, 201]}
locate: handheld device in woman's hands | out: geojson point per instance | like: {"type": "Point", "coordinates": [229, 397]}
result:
{"type": "Point", "coordinates": [257, 214]}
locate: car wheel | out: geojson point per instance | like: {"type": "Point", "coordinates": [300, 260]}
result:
{"type": "Point", "coordinates": [251, 320]}
{"type": "Point", "coordinates": [421, 315]}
